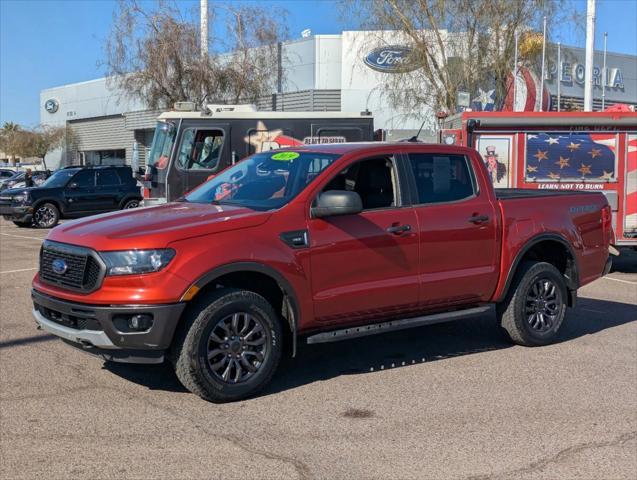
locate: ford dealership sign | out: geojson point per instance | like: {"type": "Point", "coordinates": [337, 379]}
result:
{"type": "Point", "coordinates": [390, 59]}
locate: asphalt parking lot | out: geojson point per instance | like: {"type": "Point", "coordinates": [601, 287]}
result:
{"type": "Point", "coordinates": [446, 401]}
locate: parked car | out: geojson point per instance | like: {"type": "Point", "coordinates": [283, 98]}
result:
{"type": "Point", "coordinates": [325, 243]}
{"type": "Point", "coordinates": [69, 193]}
{"type": "Point", "coordinates": [6, 173]}
{"type": "Point", "coordinates": [17, 179]}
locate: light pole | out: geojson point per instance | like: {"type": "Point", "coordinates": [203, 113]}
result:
{"type": "Point", "coordinates": [515, 74]}
{"type": "Point", "coordinates": [590, 47]}
{"type": "Point", "coordinates": [204, 28]}
{"type": "Point", "coordinates": [604, 75]}
{"type": "Point", "coordinates": [559, 76]}
{"type": "Point", "coordinates": [543, 66]}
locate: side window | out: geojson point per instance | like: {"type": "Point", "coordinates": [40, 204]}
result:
{"type": "Point", "coordinates": [200, 149]}
{"type": "Point", "coordinates": [265, 140]}
{"type": "Point", "coordinates": [374, 180]}
{"type": "Point", "coordinates": [107, 178]}
{"type": "Point", "coordinates": [85, 179]}
{"type": "Point", "coordinates": [441, 177]}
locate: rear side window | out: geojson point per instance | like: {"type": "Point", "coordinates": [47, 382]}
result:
{"type": "Point", "coordinates": [441, 177]}
{"type": "Point", "coordinates": [107, 178]}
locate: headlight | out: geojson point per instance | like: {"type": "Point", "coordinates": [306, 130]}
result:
{"type": "Point", "coordinates": [21, 198]}
{"type": "Point", "coordinates": [136, 261]}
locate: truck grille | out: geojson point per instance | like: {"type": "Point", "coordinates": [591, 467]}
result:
{"type": "Point", "coordinates": [81, 270]}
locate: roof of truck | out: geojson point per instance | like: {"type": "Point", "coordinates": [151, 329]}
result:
{"type": "Point", "coordinates": [259, 115]}
{"type": "Point", "coordinates": [380, 147]}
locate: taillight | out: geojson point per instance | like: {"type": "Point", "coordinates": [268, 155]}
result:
{"type": "Point", "coordinates": [607, 220]}
{"type": "Point", "coordinates": [146, 192]}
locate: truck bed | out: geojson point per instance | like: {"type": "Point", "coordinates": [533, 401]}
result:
{"type": "Point", "coordinates": [511, 193]}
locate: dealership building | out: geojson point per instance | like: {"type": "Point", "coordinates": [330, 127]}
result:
{"type": "Point", "coordinates": [340, 73]}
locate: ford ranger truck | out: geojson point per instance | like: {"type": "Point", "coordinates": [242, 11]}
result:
{"type": "Point", "coordinates": [321, 243]}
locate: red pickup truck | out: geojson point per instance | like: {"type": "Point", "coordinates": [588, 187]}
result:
{"type": "Point", "coordinates": [324, 243]}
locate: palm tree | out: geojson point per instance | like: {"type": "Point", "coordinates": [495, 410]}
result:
{"type": "Point", "coordinates": [8, 139]}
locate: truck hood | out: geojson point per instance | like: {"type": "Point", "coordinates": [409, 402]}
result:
{"type": "Point", "coordinates": [155, 227]}
{"type": "Point", "coordinates": [10, 192]}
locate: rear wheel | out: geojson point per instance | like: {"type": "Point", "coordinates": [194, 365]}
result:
{"type": "Point", "coordinates": [535, 307]}
{"type": "Point", "coordinates": [131, 204]}
{"type": "Point", "coordinates": [46, 215]}
{"type": "Point", "coordinates": [229, 346]}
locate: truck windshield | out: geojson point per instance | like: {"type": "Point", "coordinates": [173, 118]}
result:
{"type": "Point", "coordinates": [264, 181]}
{"type": "Point", "coordinates": [162, 145]}
{"type": "Point", "coordinates": [59, 178]}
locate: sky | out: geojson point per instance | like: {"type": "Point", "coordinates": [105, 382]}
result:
{"type": "Point", "coordinates": [48, 43]}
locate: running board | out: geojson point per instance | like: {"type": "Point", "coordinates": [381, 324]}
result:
{"type": "Point", "coordinates": [393, 325]}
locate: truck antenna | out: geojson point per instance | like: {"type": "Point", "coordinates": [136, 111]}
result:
{"type": "Point", "coordinates": [415, 137]}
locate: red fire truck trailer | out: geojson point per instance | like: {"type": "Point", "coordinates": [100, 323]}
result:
{"type": "Point", "coordinates": [558, 151]}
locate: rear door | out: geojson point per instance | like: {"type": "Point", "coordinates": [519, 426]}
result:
{"type": "Point", "coordinates": [457, 230]}
{"type": "Point", "coordinates": [365, 267]}
{"type": "Point", "coordinates": [108, 189]}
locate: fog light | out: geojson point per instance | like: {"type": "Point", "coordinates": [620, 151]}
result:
{"type": "Point", "coordinates": [140, 322]}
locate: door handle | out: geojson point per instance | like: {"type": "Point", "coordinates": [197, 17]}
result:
{"type": "Point", "coordinates": [398, 229]}
{"type": "Point", "coordinates": [479, 219]}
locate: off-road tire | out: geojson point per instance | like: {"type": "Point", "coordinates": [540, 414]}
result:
{"type": "Point", "coordinates": [512, 314]}
{"type": "Point", "coordinates": [189, 354]}
{"type": "Point", "coordinates": [52, 217]}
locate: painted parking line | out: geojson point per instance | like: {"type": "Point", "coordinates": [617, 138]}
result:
{"type": "Point", "coordinates": [19, 270]}
{"type": "Point", "coordinates": [620, 280]}
{"type": "Point", "coordinates": [22, 236]}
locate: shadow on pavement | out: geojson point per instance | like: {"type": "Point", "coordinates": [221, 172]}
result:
{"type": "Point", "coordinates": [398, 349]}
{"type": "Point", "coordinates": [15, 342]}
{"type": "Point", "coordinates": [626, 262]}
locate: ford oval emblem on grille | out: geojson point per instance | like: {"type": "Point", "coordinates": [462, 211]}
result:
{"type": "Point", "coordinates": [59, 266]}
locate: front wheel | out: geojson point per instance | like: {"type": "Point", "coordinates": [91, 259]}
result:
{"type": "Point", "coordinates": [46, 216]}
{"type": "Point", "coordinates": [229, 346]}
{"type": "Point", "coordinates": [534, 309]}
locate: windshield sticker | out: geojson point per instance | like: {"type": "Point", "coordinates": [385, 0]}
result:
{"type": "Point", "coordinates": [285, 156]}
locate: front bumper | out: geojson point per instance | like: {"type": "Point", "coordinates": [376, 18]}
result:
{"type": "Point", "coordinates": [102, 330]}
{"type": "Point", "coordinates": [15, 213]}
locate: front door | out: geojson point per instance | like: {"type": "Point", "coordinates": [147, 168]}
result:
{"type": "Point", "coordinates": [80, 193]}
{"type": "Point", "coordinates": [199, 155]}
{"type": "Point", "coordinates": [365, 267]}
{"type": "Point", "coordinates": [459, 249]}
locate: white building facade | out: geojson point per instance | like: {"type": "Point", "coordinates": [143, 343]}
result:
{"type": "Point", "coordinates": [341, 72]}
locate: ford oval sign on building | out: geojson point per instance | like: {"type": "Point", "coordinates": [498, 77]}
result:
{"type": "Point", "coordinates": [51, 105]}
{"type": "Point", "coordinates": [390, 59]}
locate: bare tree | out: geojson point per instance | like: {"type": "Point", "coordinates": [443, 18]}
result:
{"type": "Point", "coordinates": [456, 45]}
{"type": "Point", "coordinates": [40, 141]}
{"type": "Point", "coordinates": [153, 53]}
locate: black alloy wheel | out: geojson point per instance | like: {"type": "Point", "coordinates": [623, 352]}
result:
{"type": "Point", "coordinates": [237, 346]}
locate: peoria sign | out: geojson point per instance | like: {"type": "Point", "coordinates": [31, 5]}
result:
{"type": "Point", "coordinates": [391, 59]}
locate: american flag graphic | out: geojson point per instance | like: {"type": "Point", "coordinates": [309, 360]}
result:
{"type": "Point", "coordinates": [571, 156]}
